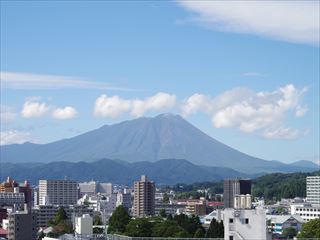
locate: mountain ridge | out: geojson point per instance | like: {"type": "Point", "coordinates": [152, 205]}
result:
{"type": "Point", "coordinates": [165, 136]}
{"type": "Point", "coordinates": [165, 171]}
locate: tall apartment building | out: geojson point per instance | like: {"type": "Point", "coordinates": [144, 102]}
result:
{"type": "Point", "coordinates": [22, 226]}
{"type": "Point", "coordinates": [11, 186]}
{"type": "Point", "coordinates": [231, 188]}
{"type": "Point", "coordinates": [58, 192]}
{"type": "Point", "coordinates": [313, 190]}
{"type": "Point", "coordinates": [144, 197]}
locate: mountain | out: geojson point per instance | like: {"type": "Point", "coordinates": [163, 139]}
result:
{"type": "Point", "coordinates": [165, 136]}
{"type": "Point", "coordinates": [305, 163]}
{"type": "Point", "coordinates": [167, 171]}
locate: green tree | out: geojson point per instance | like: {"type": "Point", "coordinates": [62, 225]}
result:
{"type": "Point", "coordinates": [60, 216]}
{"type": "Point", "coordinates": [163, 213]}
{"type": "Point", "coordinates": [216, 229]}
{"type": "Point", "coordinates": [41, 235]}
{"type": "Point", "coordinates": [200, 233]}
{"type": "Point", "coordinates": [289, 232]}
{"type": "Point", "coordinates": [310, 229]}
{"type": "Point", "coordinates": [165, 198]}
{"type": "Point", "coordinates": [97, 220]}
{"type": "Point", "coordinates": [119, 220]}
{"type": "Point", "coordinates": [97, 230]}
{"type": "Point", "coordinates": [168, 228]}
{"type": "Point", "coordinates": [140, 227]}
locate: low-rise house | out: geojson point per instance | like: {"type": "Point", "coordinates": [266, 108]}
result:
{"type": "Point", "coordinates": [277, 223]}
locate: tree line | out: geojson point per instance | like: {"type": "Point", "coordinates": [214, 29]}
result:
{"type": "Point", "coordinates": [179, 226]}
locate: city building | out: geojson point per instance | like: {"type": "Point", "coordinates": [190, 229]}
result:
{"type": "Point", "coordinates": [231, 188]}
{"type": "Point", "coordinates": [45, 213]}
{"type": "Point", "coordinates": [12, 199]}
{"type": "Point", "coordinates": [124, 199]}
{"type": "Point", "coordinates": [108, 204]}
{"type": "Point", "coordinates": [306, 211]}
{"type": "Point", "coordinates": [58, 192]}
{"type": "Point", "coordinates": [22, 226]}
{"type": "Point", "coordinates": [242, 201]}
{"type": "Point", "coordinates": [242, 224]}
{"type": "Point", "coordinates": [277, 223]}
{"type": "Point", "coordinates": [196, 207]}
{"type": "Point", "coordinates": [92, 188]}
{"type": "Point", "coordinates": [169, 208]}
{"type": "Point", "coordinates": [11, 186]}
{"type": "Point", "coordinates": [144, 197]}
{"type": "Point", "coordinates": [313, 190]}
{"type": "Point", "coordinates": [84, 225]}
{"type": "Point", "coordinates": [216, 214]}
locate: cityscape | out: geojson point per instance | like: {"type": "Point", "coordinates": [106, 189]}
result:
{"type": "Point", "coordinates": [159, 120]}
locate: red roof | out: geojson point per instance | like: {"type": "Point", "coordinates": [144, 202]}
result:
{"type": "Point", "coordinates": [214, 203]}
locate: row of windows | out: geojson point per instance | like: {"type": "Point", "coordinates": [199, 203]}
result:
{"type": "Point", "coordinates": [243, 220]}
{"type": "Point", "coordinates": [309, 209]}
{"type": "Point", "coordinates": [309, 215]}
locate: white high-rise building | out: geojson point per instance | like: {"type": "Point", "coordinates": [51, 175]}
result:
{"type": "Point", "coordinates": [58, 192]}
{"type": "Point", "coordinates": [313, 190]}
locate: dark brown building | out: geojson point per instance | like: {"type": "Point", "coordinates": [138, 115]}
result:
{"type": "Point", "coordinates": [144, 197]}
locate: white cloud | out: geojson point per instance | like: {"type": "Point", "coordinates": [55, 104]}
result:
{"type": "Point", "coordinates": [291, 21]}
{"type": "Point", "coordinates": [14, 137]}
{"type": "Point", "coordinates": [111, 106]}
{"type": "Point", "coordinates": [282, 133]}
{"type": "Point", "coordinates": [34, 109]}
{"type": "Point", "coordinates": [115, 106]}
{"type": "Point", "coordinates": [301, 111]}
{"type": "Point", "coordinates": [249, 111]}
{"type": "Point", "coordinates": [159, 102]}
{"type": "Point", "coordinates": [7, 114]}
{"type": "Point", "coordinates": [64, 113]}
{"type": "Point", "coordinates": [21, 80]}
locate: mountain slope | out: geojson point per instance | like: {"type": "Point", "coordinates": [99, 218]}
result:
{"type": "Point", "coordinates": [145, 139]}
{"type": "Point", "coordinates": [168, 171]}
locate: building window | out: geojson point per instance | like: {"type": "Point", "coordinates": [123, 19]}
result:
{"type": "Point", "coordinates": [246, 221]}
{"type": "Point", "coordinates": [230, 237]}
{"type": "Point", "coordinates": [230, 220]}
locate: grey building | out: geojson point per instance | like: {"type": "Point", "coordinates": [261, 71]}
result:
{"type": "Point", "coordinates": [234, 187]}
{"type": "Point", "coordinates": [22, 226]}
{"type": "Point", "coordinates": [13, 199]}
{"type": "Point", "coordinates": [58, 192]}
{"type": "Point", "coordinates": [45, 213]}
{"type": "Point", "coordinates": [144, 198]}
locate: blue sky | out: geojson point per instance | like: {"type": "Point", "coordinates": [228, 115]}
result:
{"type": "Point", "coordinates": [247, 79]}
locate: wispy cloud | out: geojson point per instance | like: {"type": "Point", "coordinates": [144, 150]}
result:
{"type": "Point", "coordinates": [291, 21]}
{"type": "Point", "coordinates": [14, 137]}
{"type": "Point", "coordinates": [7, 114]}
{"type": "Point", "coordinates": [252, 74]}
{"type": "Point", "coordinates": [21, 80]}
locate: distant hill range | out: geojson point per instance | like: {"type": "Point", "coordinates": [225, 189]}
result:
{"type": "Point", "coordinates": [146, 140]}
{"type": "Point", "coordinates": [163, 172]}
